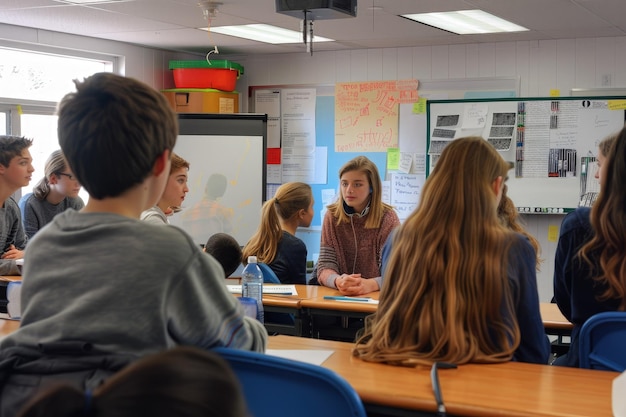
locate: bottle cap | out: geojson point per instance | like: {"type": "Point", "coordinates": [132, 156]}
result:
{"type": "Point", "coordinates": [252, 259]}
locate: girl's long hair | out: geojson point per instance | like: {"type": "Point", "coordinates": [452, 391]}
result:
{"type": "Point", "coordinates": [606, 251]}
{"type": "Point", "coordinates": [289, 199]}
{"type": "Point", "coordinates": [377, 207]}
{"type": "Point", "coordinates": [446, 295]}
{"type": "Point", "coordinates": [509, 217]}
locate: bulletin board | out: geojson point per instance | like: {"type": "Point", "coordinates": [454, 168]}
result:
{"type": "Point", "coordinates": [547, 138]}
{"type": "Point", "coordinates": [412, 133]}
{"type": "Point", "coordinates": [324, 141]}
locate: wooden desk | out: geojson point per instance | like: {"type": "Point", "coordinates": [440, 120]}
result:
{"type": "Point", "coordinates": [8, 326]}
{"type": "Point", "coordinates": [10, 277]}
{"type": "Point", "coordinates": [508, 389]}
{"type": "Point", "coordinates": [556, 325]}
{"type": "Point", "coordinates": [554, 320]}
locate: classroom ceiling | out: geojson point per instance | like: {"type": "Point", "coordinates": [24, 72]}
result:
{"type": "Point", "coordinates": [172, 24]}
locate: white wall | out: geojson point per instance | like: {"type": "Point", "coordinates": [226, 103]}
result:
{"type": "Point", "coordinates": [541, 66]}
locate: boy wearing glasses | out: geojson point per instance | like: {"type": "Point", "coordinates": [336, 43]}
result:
{"type": "Point", "coordinates": [16, 170]}
{"type": "Point", "coordinates": [54, 193]}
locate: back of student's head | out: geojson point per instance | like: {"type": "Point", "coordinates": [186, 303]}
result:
{"type": "Point", "coordinates": [181, 382]}
{"type": "Point", "coordinates": [111, 131]}
{"type": "Point", "coordinates": [509, 217]}
{"type": "Point", "coordinates": [606, 144]}
{"type": "Point", "coordinates": [606, 251]}
{"type": "Point", "coordinates": [55, 164]}
{"type": "Point", "coordinates": [226, 250]}
{"type": "Point", "coordinates": [12, 146]}
{"type": "Point", "coordinates": [445, 284]}
{"type": "Point", "coordinates": [287, 202]}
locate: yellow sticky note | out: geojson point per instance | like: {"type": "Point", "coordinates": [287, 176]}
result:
{"type": "Point", "coordinates": [555, 92]}
{"type": "Point", "coordinates": [19, 110]}
{"type": "Point", "coordinates": [393, 158]}
{"type": "Point", "coordinates": [419, 107]}
{"type": "Point", "coordinates": [553, 233]}
{"type": "Point", "coordinates": [617, 104]}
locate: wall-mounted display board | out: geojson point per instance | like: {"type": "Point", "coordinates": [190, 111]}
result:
{"type": "Point", "coordinates": [316, 127]}
{"type": "Point", "coordinates": [545, 137]}
{"type": "Point", "coordinates": [226, 153]}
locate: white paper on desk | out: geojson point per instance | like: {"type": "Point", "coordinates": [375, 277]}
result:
{"type": "Point", "coordinates": [617, 396]}
{"type": "Point", "coordinates": [268, 289]}
{"type": "Point", "coordinates": [314, 357]}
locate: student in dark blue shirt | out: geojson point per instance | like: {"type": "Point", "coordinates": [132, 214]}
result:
{"type": "Point", "coordinates": [590, 258]}
{"type": "Point", "coordinates": [274, 242]}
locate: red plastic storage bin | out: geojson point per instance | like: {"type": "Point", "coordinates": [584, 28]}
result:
{"type": "Point", "coordinates": [218, 74]}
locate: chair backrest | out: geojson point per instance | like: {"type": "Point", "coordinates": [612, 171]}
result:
{"type": "Point", "coordinates": [276, 386]}
{"type": "Point", "coordinates": [602, 340]}
{"type": "Point", "coordinates": [269, 276]}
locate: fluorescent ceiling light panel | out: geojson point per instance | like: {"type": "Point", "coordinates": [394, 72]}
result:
{"type": "Point", "coordinates": [91, 1]}
{"type": "Point", "coordinates": [264, 33]}
{"type": "Point", "coordinates": [465, 22]}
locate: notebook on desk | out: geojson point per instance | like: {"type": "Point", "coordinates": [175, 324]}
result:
{"type": "Point", "coordinates": [268, 289]}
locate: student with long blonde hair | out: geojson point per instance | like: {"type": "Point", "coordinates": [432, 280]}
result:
{"type": "Point", "coordinates": [354, 231]}
{"type": "Point", "coordinates": [275, 242]}
{"type": "Point", "coordinates": [590, 259]}
{"type": "Point", "coordinates": [458, 286]}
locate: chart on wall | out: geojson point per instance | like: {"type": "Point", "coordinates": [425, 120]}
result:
{"type": "Point", "coordinates": [549, 140]}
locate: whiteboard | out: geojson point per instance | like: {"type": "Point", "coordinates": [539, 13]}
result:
{"type": "Point", "coordinates": [227, 158]}
{"type": "Point", "coordinates": [544, 137]}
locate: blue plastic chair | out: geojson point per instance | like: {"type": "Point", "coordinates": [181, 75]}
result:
{"type": "Point", "coordinates": [276, 386]}
{"type": "Point", "coordinates": [602, 340]}
{"type": "Point", "coordinates": [269, 276]}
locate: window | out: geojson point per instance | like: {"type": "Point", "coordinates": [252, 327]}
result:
{"type": "Point", "coordinates": [43, 76]}
{"type": "Point", "coordinates": [31, 83]}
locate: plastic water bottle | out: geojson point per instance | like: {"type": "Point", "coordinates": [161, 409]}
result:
{"type": "Point", "coordinates": [252, 284]}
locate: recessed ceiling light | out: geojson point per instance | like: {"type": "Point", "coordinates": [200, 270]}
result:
{"type": "Point", "coordinates": [91, 1]}
{"type": "Point", "coordinates": [264, 33]}
{"type": "Point", "coordinates": [464, 22]}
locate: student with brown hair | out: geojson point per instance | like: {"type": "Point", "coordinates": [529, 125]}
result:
{"type": "Point", "coordinates": [173, 195]}
{"type": "Point", "coordinates": [275, 242]}
{"type": "Point", "coordinates": [104, 288]}
{"type": "Point", "coordinates": [183, 381]}
{"type": "Point", "coordinates": [458, 286]}
{"type": "Point", "coordinates": [590, 260]}
{"type": "Point", "coordinates": [16, 170]}
{"type": "Point", "coordinates": [354, 231]}
{"type": "Point", "coordinates": [509, 217]}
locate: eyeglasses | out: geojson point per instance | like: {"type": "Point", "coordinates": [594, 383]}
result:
{"type": "Point", "coordinates": [69, 176]}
